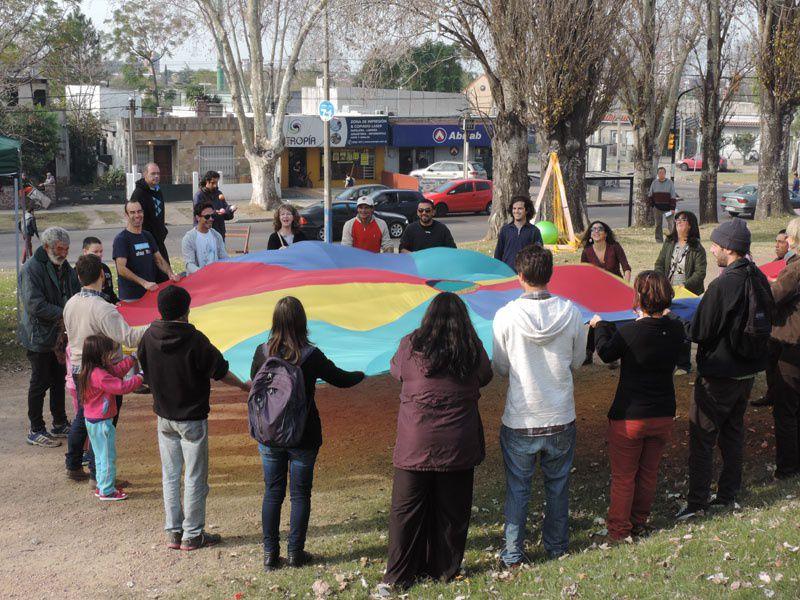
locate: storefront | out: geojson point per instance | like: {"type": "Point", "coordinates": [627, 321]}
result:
{"type": "Point", "coordinates": [415, 145]}
{"type": "Point", "coordinates": [357, 149]}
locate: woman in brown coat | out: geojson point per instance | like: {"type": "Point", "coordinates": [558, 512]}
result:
{"type": "Point", "coordinates": [442, 366]}
{"type": "Point", "coordinates": [786, 343]}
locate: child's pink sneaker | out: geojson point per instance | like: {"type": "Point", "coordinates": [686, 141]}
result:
{"type": "Point", "coordinates": [117, 495]}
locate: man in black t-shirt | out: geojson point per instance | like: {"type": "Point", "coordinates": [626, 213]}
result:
{"type": "Point", "coordinates": [137, 257]}
{"type": "Point", "coordinates": [426, 232]}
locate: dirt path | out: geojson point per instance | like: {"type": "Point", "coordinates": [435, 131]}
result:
{"type": "Point", "coordinates": [58, 541]}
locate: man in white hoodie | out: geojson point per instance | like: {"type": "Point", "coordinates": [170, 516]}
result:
{"type": "Point", "coordinates": [538, 339]}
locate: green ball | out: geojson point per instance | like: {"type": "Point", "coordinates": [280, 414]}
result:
{"type": "Point", "coordinates": [549, 231]}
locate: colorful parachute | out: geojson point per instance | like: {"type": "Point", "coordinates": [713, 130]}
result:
{"type": "Point", "coordinates": [360, 304]}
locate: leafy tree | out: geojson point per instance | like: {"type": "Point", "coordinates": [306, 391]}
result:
{"type": "Point", "coordinates": [85, 132]}
{"type": "Point", "coordinates": [431, 66]}
{"type": "Point", "coordinates": [744, 143]}
{"type": "Point", "coordinates": [38, 130]}
{"type": "Point", "coordinates": [148, 33]}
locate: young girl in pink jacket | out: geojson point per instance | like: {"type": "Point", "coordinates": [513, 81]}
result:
{"type": "Point", "coordinates": [100, 380]}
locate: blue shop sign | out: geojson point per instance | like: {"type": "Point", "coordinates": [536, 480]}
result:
{"type": "Point", "coordinates": [427, 136]}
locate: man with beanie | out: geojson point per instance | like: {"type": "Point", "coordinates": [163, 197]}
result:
{"type": "Point", "coordinates": [178, 361]}
{"type": "Point", "coordinates": [725, 370]}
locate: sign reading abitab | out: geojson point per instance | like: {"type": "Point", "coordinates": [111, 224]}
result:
{"type": "Point", "coordinates": [426, 136]}
{"type": "Point", "coordinates": [326, 110]}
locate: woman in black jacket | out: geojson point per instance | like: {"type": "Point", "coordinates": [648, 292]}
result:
{"type": "Point", "coordinates": [289, 340]}
{"type": "Point", "coordinates": [641, 416]}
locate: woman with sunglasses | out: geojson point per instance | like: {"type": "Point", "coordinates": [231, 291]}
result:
{"type": "Point", "coordinates": [601, 249]}
{"type": "Point", "coordinates": [683, 258]}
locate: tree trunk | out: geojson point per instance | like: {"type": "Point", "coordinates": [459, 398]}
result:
{"type": "Point", "coordinates": [710, 117]}
{"type": "Point", "coordinates": [262, 172]}
{"type": "Point", "coordinates": [773, 173]}
{"type": "Point", "coordinates": [155, 83]}
{"type": "Point", "coordinates": [642, 176]}
{"type": "Point", "coordinates": [568, 140]}
{"type": "Point", "coordinates": [510, 159]}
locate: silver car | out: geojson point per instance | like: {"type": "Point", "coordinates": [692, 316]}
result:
{"type": "Point", "coordinates": [450, 169]}
{"type": "Point", "coordinates": [742, 201]}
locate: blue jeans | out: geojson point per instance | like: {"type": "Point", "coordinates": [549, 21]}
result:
{"type": "Point", "coordinates": [184, 443]}
{"type": "Point", "coordinates": [519, 456]}
{"type": "Point", "coordinates": [299, 463]}
{"type": "Point", "coordinates": [102, 435]}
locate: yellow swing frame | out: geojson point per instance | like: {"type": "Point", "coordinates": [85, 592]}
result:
{"type": "Point", "coordinates": [567, 240]}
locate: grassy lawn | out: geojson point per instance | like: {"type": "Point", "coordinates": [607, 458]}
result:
{"type": "Point", "coordinates": [70, 220]}
{"type": "Point", "coordinates": [110, 217]}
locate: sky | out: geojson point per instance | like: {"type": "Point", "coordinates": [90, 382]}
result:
{"type": "Point", "coordinates": [196, 52]}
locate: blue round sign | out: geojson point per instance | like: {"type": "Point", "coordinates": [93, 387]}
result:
{"type": "Point", "coordinates": [326, 110]}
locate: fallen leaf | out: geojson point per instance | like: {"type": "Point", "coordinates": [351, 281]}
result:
{"type": "Point", "coordinates": [717, 578]}
{"type": "Point", "coordinates": [320, 588]}
{"type": "Point", "coordinates": [764, 577]}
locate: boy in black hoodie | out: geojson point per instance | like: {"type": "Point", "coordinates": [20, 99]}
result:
{"type": "Point", "coordinates": [178, 362]}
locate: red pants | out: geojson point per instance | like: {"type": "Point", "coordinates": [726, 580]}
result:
{"type": "Point", "coordinates": [635, 447]}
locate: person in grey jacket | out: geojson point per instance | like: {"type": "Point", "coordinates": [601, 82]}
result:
{"type": "Point", "coordinates": [663, 198]}
{"type": "Point", "coordinates": [46, 282]}
{"type": "Point", "coordinates": [202, 245]}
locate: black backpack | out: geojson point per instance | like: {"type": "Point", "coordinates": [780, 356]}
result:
{"type": "Point", "coordinates": [277, 407]}
{"type": "Point", "coordinates": [749, 337]}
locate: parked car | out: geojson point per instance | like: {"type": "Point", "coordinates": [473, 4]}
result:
{"type": "Point", "coordinates": [462, 195]}
{"type": "Point", "coordinates": [695, 163]}
{"type": "Point", "coordinates": [447, 169]}
{"type": "Point", "coordinates": [742, 201]}
{"type": "Point", "coordinates": [398, 201]}
{"type": "Point", "coordinates": [312, 220]}
{"type": "Point", "coordinates": [359, 190]}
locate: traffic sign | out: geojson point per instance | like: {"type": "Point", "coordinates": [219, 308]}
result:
{"type": "Point", "coordinates": [326, 110]}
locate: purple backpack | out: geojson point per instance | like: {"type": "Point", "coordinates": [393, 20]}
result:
{"type": "Point", "coordinates": [277, 407]}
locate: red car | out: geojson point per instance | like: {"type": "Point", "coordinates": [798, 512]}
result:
{"type": "Point", "coordinates": [462, 195]}
{"type": "Point", "coordinates": [695, 163]}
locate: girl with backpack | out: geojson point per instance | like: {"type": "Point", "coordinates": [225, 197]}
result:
{"type": "Point", "coordinates": [293, 452]}
{"type": "Point", "coordinates": [442, 366]}
{"type": "Point", "coordinates": [100, 381]}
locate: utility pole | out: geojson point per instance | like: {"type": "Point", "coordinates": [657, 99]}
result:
{"type": "Point", "coordinates": [466, 145]}
{"type": "Point", "coordinates": [131, 134]}
{"type": "Point", "coordinates": [619, 138]}
{"type": "Point", "coordinates": [326, 140]}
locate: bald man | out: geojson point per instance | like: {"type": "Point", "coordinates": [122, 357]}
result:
{"type": "Point", "coordinates": [148, 193]}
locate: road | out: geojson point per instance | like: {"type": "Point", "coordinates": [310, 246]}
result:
{"type": "Point", "coordinates": [465, 228]}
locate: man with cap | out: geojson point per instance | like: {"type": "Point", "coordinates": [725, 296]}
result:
{"type": "Point", "coordinates": [725, 377]}
{"type": "Point", "coordinates": [178, 362]}
{"type": "Point", "coordinates": [366, 231]}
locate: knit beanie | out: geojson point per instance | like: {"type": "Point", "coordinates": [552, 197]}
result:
{"type": "Point", "coordinates": [173, 302]}
{"type": "Point", "coordinates": [732, 235]}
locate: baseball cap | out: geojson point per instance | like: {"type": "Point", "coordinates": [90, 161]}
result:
{"type": "Point", "coordinates": [365, 200]}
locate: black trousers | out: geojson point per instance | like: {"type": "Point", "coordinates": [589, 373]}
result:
{"type": "Point", "coordinates": [771, 372]}
{"type": "Point", "coordinates": [716, 417]}
{"type": "Point", "coordinates": [786, 411]}
{"type": "Point", "coordinates": [46, 374]}
{"type": "Point", "coordinates": [428, 525]}
{"type": "Point", "coordinates": [161, 277]}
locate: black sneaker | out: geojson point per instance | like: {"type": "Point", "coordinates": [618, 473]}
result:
{"type": "Point", "coordinates": [203, 540]}
{"type": "Point", "coordinates": [690, 512]}
{"type": "Point", "coordinates": [298, 559]}
{"type": "Point", "coordinates": [721, 503]}
{"type": "Point", "coordinates": [60, 431]}
{"type": "Point", "coordinates": [762, 401]}
{"type": "Point", "coordinates": [272, 561]}
{"type": "Point", "coordinates": [174, 540]}
{"type": "Point", "coordinates": [78, 475]}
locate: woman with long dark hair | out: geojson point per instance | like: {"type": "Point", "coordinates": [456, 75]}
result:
{"type": "Point", "coordinates": [641, 416]}
{"type": "Point", "coordinates": [601, 249]}
{"type": "Point", "coordinates": [288, 340]}
{"type": "Point", "coordinates": [442, 366]}
{"type": "Point", "coordinates": [683, 258]}
{"type": "Point", "coordinates": [286, 223]}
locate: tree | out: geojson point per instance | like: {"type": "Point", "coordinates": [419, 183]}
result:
{"type": "Point", "coordinates": [148, 33]}
{"type": "Point", "coordinates": [38, 130]}
{"type": "Point", "coordinates": [431, 66]}
{"type": "Point", "coordinates": [726, 61]}
{"type": "Point", "coordinates": [744, 143]}
{"type": "Point", "coordinates": [778, 68]}
{"type": "Point", "coordinates": [656, 41]}
{"type": "Point", "coordinates": [272, 34]}
{"type": "Point", "coordinates": [85, 132]}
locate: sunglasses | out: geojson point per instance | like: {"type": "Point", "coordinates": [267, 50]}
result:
{"type": "Point", "coordinates": [424, 210]}
{"type": "Point", "coordinates": [207, 217]}
{"type": "Point", "coordinates": [681, 220]}
{"type": "Point", "coordinates": [598, 228]}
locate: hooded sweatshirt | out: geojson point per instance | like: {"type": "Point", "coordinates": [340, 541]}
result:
{"type": "Point", "coordinates": [538, 339]}
{"type": "Point", "coordinates": [178, 362]}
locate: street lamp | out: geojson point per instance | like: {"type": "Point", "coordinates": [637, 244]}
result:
{"type": "Point", "coordinates": [674, 127]}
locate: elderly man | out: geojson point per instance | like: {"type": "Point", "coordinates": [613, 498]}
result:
{"type": "Point", "coordinates": [46, 282]}
{"type": "Point", "coordinates": [148, 193]}
{"type": "Point", "coordinates": [202, 245]}
{"type": "Point", "coordinates": [138, 259]}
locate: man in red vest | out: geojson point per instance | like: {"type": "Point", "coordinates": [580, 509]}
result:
{"type": "Point", "coordinates": [366, 231]}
